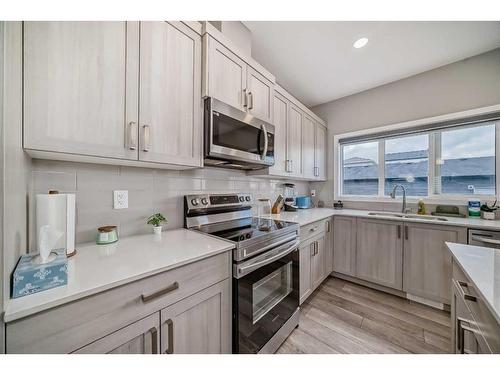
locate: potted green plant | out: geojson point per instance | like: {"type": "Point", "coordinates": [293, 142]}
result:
{"type": "Point", "coordinates": [488, 212]}
{"type": "Point", "coordinates": [156, 220]}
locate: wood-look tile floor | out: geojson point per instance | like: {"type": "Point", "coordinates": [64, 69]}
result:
{"type": "Point", "coordinates": [342, 317]}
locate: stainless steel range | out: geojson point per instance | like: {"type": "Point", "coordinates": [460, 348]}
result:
{"type": "Point", "coordinates": [265, 268]}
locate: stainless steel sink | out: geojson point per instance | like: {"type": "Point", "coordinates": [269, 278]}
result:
{"type": "Point", "coordinates": [408, 216]}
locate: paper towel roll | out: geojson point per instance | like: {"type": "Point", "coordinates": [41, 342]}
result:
{"type": "Point", "coordinates": [57, 211]}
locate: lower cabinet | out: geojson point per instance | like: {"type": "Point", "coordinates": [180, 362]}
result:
{"type": "Point", "coordinates": [141, 337]}
{"type": "Point", "coordinates": [344, 245]}
{"type": "Point", "coordinates": [305, 255]}
{"type": "Point", "coordinates": [379, 252]}
{"type": "Point", "coordinates": [318, 262]}
{"type": "Point", "coordinates": [329, 245]}
{"type": "Point", "coordinates": [198, 324]}
{"type": "Point", "coordinates": [427, 261]}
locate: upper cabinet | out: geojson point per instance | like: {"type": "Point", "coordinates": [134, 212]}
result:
{"type": "Point", "coordinates": [294, 141]}
{"type": "Point", "coordinates": [80, 87]}
{"type": "Point", "coordinates": [320, 150]}
{"type": "Point", "coordinates": [83, 86]}
{"type": "Point", "coordinates": [308, 151]}
{"type": "Point", "coordinates": [230, 79]}
{"type": "Point", "coordinates": [280, 134]}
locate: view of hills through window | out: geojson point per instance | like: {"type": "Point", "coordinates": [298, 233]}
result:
{"type": "Point", "coordinates": [464, 163]}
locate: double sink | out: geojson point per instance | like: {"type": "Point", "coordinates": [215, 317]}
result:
{"type": "Point", "coordinates": [407, 216]}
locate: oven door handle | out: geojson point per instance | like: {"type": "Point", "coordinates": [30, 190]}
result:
{"type": "Point", "coordinates": [266, 142]}
{"type": "Point", "coordinates": [242, 270]}
{"type": "Point", "coordinates": [485, 240]}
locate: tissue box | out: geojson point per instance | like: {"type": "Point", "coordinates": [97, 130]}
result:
{"type": "Point", "coordinates": [30, 277]}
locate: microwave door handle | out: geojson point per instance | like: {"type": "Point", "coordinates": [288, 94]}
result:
{"type": "Point", "coordinates": [266, 142]}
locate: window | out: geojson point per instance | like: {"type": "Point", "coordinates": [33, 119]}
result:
{"type": "Point", "coordinates": [450, 161]}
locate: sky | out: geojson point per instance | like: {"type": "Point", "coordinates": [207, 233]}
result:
{"type": "Point", "coordinates": [458, 143]}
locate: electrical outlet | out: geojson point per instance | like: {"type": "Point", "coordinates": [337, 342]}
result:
{"type": "Point", "coordinates": [313, 193]}
{"type": "Point", "coordinates": [120, 199]}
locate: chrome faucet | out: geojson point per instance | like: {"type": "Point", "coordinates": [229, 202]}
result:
{"type": "Point", "coordinates": [393, 195]}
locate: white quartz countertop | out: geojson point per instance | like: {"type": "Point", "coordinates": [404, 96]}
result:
{"type": "Point", "coordinates": [96, 268]}
{"type": "Point", "coordinates": [310, 215]}
{"type": "Point", "coordinates": [482, 266]}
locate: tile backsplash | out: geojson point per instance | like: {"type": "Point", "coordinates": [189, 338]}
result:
{"type": "Point", "coordinates": [150, 191]}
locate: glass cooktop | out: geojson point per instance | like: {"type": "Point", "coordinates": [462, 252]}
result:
{"type": "Point", "coordinates": [245, 229]}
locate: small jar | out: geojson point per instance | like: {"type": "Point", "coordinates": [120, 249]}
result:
{"type": "Point", "coordinates": [106, 235]}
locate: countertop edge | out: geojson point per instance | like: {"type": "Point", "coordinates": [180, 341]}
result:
{"type": "Point", "coordinates": [20, 314]}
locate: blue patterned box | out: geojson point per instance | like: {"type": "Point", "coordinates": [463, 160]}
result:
{"type": "Point", "coordinates": [30, 277]}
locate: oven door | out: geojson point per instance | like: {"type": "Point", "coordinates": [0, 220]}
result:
{"type": "Point", "coordinates": [236, 135]}
{"type": "Point", "coordinates": [265, 296]}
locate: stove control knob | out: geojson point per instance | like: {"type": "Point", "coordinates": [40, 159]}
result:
{"type": "Point", "coordinates": [247, 198]}
{"type": "Point", "coordinates": [242, 198]}
{"type": "Point", "coordinates": [204, 201]}
{"type": "Point", "coordinates": [195, 201]}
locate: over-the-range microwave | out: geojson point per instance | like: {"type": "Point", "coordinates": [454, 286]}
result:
{"type": "Point", "coordinates": [236, 139]}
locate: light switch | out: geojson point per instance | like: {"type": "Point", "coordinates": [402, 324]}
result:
{"type": "Point", "coordinates": [313, 193]}
{"type": "Point", "coordinates": [120, 199]}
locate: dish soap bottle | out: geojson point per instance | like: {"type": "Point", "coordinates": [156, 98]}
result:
{"type": "Point", "coordinates": [421, 207]}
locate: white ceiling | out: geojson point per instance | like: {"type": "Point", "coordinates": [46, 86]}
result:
{"type": "Point", "coordinates": [317, 63]}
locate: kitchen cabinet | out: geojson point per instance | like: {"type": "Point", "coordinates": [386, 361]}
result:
{"type": "Point", "coordinates": [427, 261]}
{"type": "Point", "coordinates": [329, 245]}
{"type": "Point", "coordinates": [280, 107]}
{"type": "Point", "coordinates": [198, 324]}
{"type": "Point", "coordinates": [294, 141]}
{"type": "Point", "coordinates": [85, 98]}
{"type": "Point", "coordinates": [305, 285]}
{"type": "Point", "coordinates": [170, 111]}
{"type": "Point", "coordinates": [81, 87]}
{"type": "Point", "coordinates": [320, 152]}
{"type": "Point", "coordinates": [308, 147]}
{"type": "Point", "coordinates": [318, 262]}
{"type": "Point", "coordinates": [142, 337]}
{"type": "Point", "coordinates": [344, 245]}
{"type": "Point", "coordinates": [379, 252]}
{"type": "Point", "coordinates": [230, 79]}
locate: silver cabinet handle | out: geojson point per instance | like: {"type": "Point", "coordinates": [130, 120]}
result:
{"type": "Point", "coordinates": [132, 135]}
{"type": "Point", "coordinates": [287, 165]}
{"type": "Point", "coordinates": [145, 129]}
{"type": "Point", "coordinates": [154, 340]}
{"type": "Point", "coordinates": [149, 297]}
{"type": "Point", "coordinates": [316, 171]}
{"type": "Point", "coordinates": [245, 98]}
{"type": "Point", "coordinates": [250, 101]}
{"type": "Point", "coordinates": [466, 296]}
{"type": "Point", "coordinates": [313, 229]}
{"type": "Point", "coordinates": [328, 226]}
{"type": "Point", "coordinates": [266, 142]}
{"type": "Point", "coordinates": [485, 240]}
{"type": "Point", "coordinates": [317, 248]}
{"type": "Point", "coordinates": [399, 231]}
{"type": "Point", "coordinates": [406, 233]}
{"type": "Point", "coordinates": [170, 337]}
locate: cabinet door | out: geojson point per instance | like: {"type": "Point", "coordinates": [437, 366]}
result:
{"type": "Point", "coordinates": [320, 152]}
{"type": "Point", "coordinates": [227, 75]}
{"type": "Point", "coordinates": [260, 95]}
{"type": "Point", "coordinates": [427, 261]}
{"type": "Point", "coordinates": [280, 109]}
{"type": "Point", "coordinates": [318, 262]}
{"type": "Point", "coordinates": [308, 152]}
{"type": "Point", "coordinates": [80, 88]}
{"type": "Point", "coordinates": [141, 337]}
{"type": "Point", "coordinates": [170, 94]}
{"type": "Point", "coordinates": [379, 252]}
{"type": "Point", "coordinates": [344, 245]}
{"type": "Point", "coordinates": [329, 246]}
{"type": "Point", "coordinates": [199, 324]}
{"type": "Point", "coordinates": [294, 141]}
{"type": "Point", "coordinates": [305, 254]}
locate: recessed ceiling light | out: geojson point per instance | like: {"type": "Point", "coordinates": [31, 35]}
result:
{"type": "Point", "coordinates": [360, 43]}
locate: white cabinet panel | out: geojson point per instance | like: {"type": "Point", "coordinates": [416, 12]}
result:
{"type": "Point", "coordinates": [294, 141]}
{"type": "Point", "coordinates": [308, 152]}
{"type": "Point", "coordinates": [320, 152]}
{"type": "Point", "coordinates": [260, 95]}
{"type": "Point", "coordinates": [280, 134]}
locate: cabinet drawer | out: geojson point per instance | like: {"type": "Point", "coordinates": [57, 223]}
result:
{"type": "Point", "coordinates": [69, 327]}
{"type": "Point", "coordinates": [309, 230]}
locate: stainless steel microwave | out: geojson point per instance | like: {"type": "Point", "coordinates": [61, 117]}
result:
{"type": "Point", "coordinates": [236, 139]}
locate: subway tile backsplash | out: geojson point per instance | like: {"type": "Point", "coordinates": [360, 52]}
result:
{"type": "Point", "coordinates": [150, 191]}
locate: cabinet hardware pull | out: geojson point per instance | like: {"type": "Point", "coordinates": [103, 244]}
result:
{"type": "Point", "coordinates": [311, 248]}
{"type": "Point", "coordinates": [132, 136]}
{"type": "Point", "coordinates": [287, 168]}
{"type": "Point", "coordinates": [406, 233]}
{"type": "Point", "coordinates": [250, 101]}
{"type": "Point", "coordinates": [154, 340]}
{"type": "Point", "coordinates": [313, 229]}
{"type": "Point", "coordinates": [317, 247]}
{"type": "Point", "coordinates": [170, 337]}
{"type": "Point", "coordinates": [245, 98]}
{"type": "Point", "coordinates": [328, 226]}
{"type": "Point", "coordinates": [149, 297]}
{"type": "Point", "coordinates": [291, 166]}
{"type": "Point", "coordinates": [399, 231]}
{"type": "Point", "coordinates": [145, 129]}
{"type": "Point", "coordinates": [466, 296]}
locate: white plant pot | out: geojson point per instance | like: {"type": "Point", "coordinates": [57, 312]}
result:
{"type": "Point", "coordinates": [157, 230]}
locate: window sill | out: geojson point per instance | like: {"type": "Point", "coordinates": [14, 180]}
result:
{"type": "Point", "coordinates": [452, 200]}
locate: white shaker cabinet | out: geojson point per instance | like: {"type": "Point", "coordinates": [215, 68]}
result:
{"type": "Point", "coordinates": [320, 152]}
{"type": "Point", "coordinates": [308, 147]}
{"type": "Point", "coordinates": [170, 111]}
{"type": "Point", "coordinates": [294, 141]}
{"type": "Point", "coordinates": [280, 106]}
{"type": "Point", "coordinates": [81, 87]}
{"type": "Point", "coordinates": [260, 93]}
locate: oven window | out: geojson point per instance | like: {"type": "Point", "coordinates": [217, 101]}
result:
{"type": "Point", "coordinates": [271, 290]}
{"type": "Point", "coordinates": [237, 135]}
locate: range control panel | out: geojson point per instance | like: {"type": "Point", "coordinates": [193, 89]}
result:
{"type": "Point", "coordinates": [217, 200]}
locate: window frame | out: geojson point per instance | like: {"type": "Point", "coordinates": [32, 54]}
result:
{"type": "Point", "coordinates": [434, 138]}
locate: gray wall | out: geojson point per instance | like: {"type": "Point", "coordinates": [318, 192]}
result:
{"type": "Point", "coordinates": [467, 84]}
{"type": "Point", "coordinates": [2, 325]}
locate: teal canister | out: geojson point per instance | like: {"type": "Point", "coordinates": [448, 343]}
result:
{"type": "Point", "coordinates": [106, 235]}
